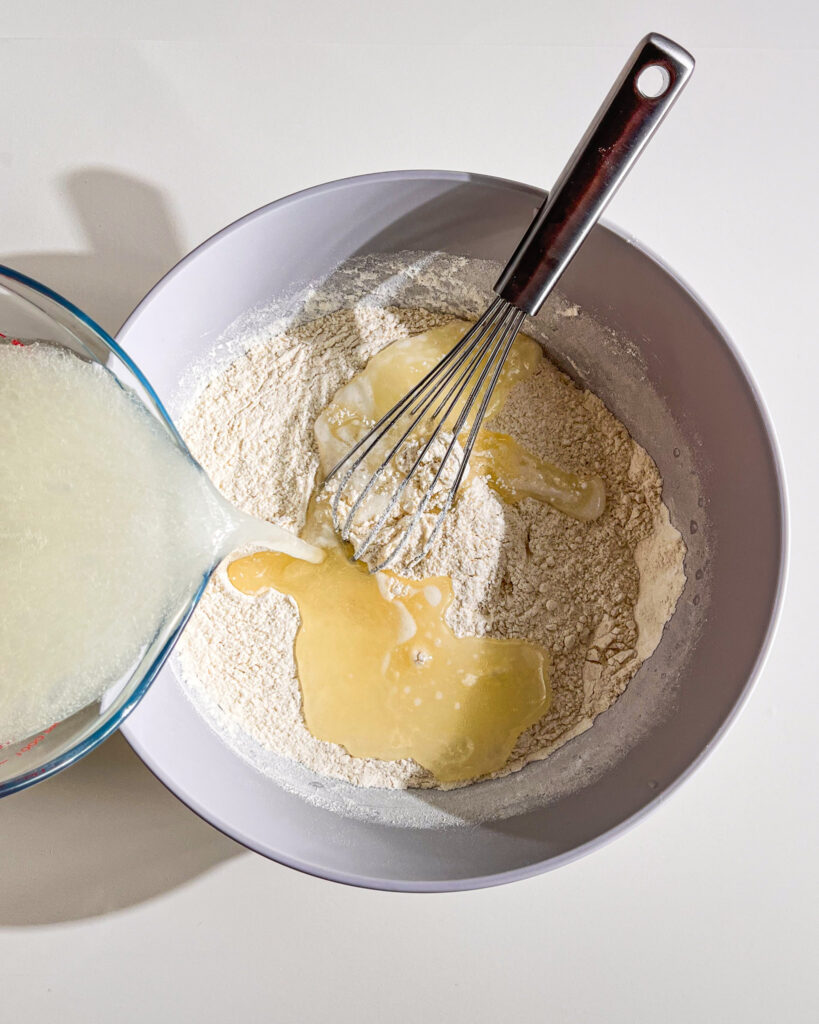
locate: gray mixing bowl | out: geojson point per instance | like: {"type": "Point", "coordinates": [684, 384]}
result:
{"type": "Point", "coordinates": [667, 370]}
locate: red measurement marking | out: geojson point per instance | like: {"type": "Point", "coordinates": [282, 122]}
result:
{"type": "Point", "coordinates": [36, 740]}
{"type": "Point", "coordinates": [14, 341]}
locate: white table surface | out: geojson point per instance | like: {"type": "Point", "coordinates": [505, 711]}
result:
{"type": "Point", "coordinates": [133, 131]}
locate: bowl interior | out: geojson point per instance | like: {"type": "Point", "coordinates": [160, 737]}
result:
{"type": "Point", "coordinates": [663, 366]}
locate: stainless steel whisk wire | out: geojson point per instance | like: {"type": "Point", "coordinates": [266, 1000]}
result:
{"type": "Point", "coordinates": [623, 125]}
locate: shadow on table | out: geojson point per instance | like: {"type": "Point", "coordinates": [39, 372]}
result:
{"type": "Point", "coordinates": [131, 242]}
{"type": "Point", "coordinates": [104, 834]}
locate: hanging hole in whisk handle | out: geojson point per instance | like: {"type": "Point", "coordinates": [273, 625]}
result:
{"type": "Point", "coordinates": [653, 81]}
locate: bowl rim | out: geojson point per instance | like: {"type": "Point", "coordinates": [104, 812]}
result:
{"type": "Point", "coordinates": [541, 866]}
{"type": "Point", "coordinates": [109, 725]}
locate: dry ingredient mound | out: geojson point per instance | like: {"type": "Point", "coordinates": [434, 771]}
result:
{"type": "Point", "coordinates": [596, 595]}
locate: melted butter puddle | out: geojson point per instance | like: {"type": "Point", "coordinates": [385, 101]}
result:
{"type": "Point", "coordinates": [386, 677]}
{"type": "Point", "coordinates": [381, 672]}
{"type": "Point", "coordinates": [515, 473]}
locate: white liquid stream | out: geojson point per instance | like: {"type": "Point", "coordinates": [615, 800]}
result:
{"type": "Point", "coordinates": [107, 530]}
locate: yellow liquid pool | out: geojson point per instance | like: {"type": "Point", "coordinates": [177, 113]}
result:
{"type": "Point", "coordinates": [386, 677]}
{"type": "Point", "coordinates": [381, 672]}
{"type": "Point", "coordinates": [515, 473]}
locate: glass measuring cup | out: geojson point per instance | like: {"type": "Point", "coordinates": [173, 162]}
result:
{"type": "Point", "coordinates": [29, 310]}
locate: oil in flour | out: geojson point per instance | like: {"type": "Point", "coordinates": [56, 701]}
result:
{"type": "Point", "coordinates": [384, 676]}
{"type": "Point", "coordinates": [510, 470]}
{"type": "Point", "coordinates": [381, 672]}
{"type": "Point", "coordinates": [582, 591]}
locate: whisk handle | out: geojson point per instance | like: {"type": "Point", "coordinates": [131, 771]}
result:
{"type": "Point", "coordinates": [626, 121]}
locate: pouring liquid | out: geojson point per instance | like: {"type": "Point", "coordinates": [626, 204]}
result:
{"type": "Point", "coordinates": [107, 530]}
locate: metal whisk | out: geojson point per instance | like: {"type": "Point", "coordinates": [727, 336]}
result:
{"type": "Point", "coordinates": [455, 394]}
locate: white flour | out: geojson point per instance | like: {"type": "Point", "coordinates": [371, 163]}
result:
{"type": "Point", "coordinates": [579, 589]}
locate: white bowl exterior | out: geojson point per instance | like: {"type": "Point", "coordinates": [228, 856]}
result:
{"type": "Point", "coordinates": [736, 539]}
